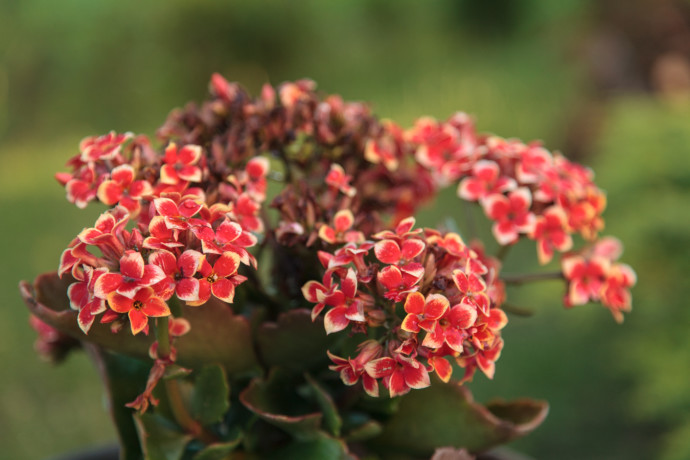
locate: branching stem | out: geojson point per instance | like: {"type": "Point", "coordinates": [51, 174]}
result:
{"type": "Point", "coordinates": [531, 277]}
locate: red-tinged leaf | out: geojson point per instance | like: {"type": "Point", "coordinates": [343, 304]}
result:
{"type": "Point", "coordinates": [233, 350]}
{"type": "Point", "coordinates": [224, 289]}
{"type": "Point", "coordinates": [412, 248]}
{"type": "Point", "coordinates": [273, 401]}
{"type": "Point", "coordinates": [452, 418]}
{"type": "Point", "coordinates": [387, 251]}
{"type": "Point", "coordinates": [294, 342]}
{"type": "Point", "coordinates": [335, 320]}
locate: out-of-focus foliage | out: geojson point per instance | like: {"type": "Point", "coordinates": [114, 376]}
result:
{"type": "Point", "coordinates": [80, 67]}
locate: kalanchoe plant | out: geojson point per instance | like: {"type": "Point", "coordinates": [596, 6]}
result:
{"type": "Point", "coordinates": [260, 287]}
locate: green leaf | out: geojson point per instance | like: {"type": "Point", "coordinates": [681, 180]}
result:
{"type": "Point", "coordinates": [446, 415]}
{"type": "Point", "coordinates": [367, 430]}
{"type": "Point", "coordinates": [318, 448]}
{"type": "Point", "coordinates": [218, 451]}
{"type": "Point", "coordinates": [275, 401]}
{"type": "Point", "coordinates": [233, 349]}
{"type": "Point", "coordinates": [161, 438]}
{"type": "Point", "coordinates": [210, 400]}
{"type": "Point", "coordinates": [331, 419]}
{"type": "Point", "coordinates": [124, 378]}
{"type": "Point", "coordinates": [294, 342]}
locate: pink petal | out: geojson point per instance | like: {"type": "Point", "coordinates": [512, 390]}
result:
{"type": "Point", "coordinates": [343, 220]}
{"type": "Point", "coordinates": [349, 284]}
{"type": "Point", "coordinates": [387, 251]}
{"type": "Point", "coordinates": [109, 192]}
{"type": "Point", "coordinates": [166, 207]}
{"type": "Point", "coordinates": [107, 284]}
{"type": "Point", "coordinates": [390, 277]}
{"type": "Point", "coordinates": [335, 320]}
{"type": "Point", "coordinates": [224, 289]}
{"type": "Point", "coordinates": [187, 289]}
{"type": "Point", "coordinates": [412, 248]}
{"type": "Point", "coordinates": [414, 304]}
{"type": "Point", "coordinates": [462, 316]}
{"type": "Point", "coordinates": [380, 367]}
{"type": "Point", "coordinates": [436, 306]}
{"type": "Point", "coordinates": [228, 231]}
{"type": "Point", "coordinates": [227, 264]}
{"type": "Point", "coordinates": [189, 154]}
{"type": "Point", "coordinates": [416, 377]}
{"type": "Point", "coordinates": [189, 262]}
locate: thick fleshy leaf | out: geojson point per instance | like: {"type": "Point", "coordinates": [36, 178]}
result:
{"type": "Point", "coordinates": [219, 450]}
{"type": "Point", "coordinates": [331, 419]}
{"type": "Point", "coordinates": [320, 447]}
{"type": "Point", "coordinates": [123, 377]}
{"type": "Point", "coordinates": [48, 300]}
{"type": "Point", "coordinates": [210, 399]}
{"type": "Point", "coordinates": [160, 438]}
{"type": "Point", "coordinates": [452, 418]}
{"type": "Point", "coordinates": [275, 401]}
{"type": "Point", "coordinates": [294, 342]}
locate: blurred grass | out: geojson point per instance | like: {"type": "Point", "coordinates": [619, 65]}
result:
{"type": "Point", "coordinates": [616, 392]}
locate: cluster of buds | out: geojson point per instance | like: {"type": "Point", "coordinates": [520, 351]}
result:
{"type": "Point", "coordinates": [185, 221]}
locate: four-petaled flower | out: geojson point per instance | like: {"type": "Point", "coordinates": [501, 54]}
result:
{"type": "Point", "coordinates": [140, 308]}
{"type": "Point", "coordinates": [511, 214]}
{"type": "Point", "coordinates": [399, 373]}
{"type": "Point", "coordinates": [180, 165]}
{"type": "Point", "coordinates": [219, 279]}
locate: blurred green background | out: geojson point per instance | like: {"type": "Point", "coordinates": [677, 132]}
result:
{"type": "Point", "coordinates": [606, 85]}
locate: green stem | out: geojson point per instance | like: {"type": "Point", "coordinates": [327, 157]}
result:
{"type": "Point", "coordinates": [503, 251]}
{"type": "Point", "coordinates": [517, 311]}
{"type": "Point", "coordinates": [172, 389]}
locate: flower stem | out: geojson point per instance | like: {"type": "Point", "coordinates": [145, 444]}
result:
{"type": "Point", "coordinates": [172, 389]}
{"type": "Point", "coordinates": [531, 277]}
{"type": "Point", "coordinates": [517, 311]}
{"type": "Point", "coordinates": [503, 251]}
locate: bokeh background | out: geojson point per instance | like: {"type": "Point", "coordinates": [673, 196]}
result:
{"type": "Point", "coordinates": [606, 82]}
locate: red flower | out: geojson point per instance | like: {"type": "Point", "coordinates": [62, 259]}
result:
{"type": "Point", "coordinates": [586, 278]}
{"type": "Point", "coordinates": [134, 275]}
{"type": "Point", "coordinates": [82, 298]}
{"type": "Point", "coordinates": [423, 313]}
{"type": "Point", "coordinates": [103, 147]}
{"type": "Point", "coordinates": [550, 232]}
{"type": "Point", "coordinates": [399, 374]}
{"type": "Point", "coordinates": [615, 294]}
{"type": "Point", "coordinates": [351, 370]}
{"type": "Point", "coordinates": [179, 274]}
{"type": "Point", "coordinates": [342, 222]}
{"type": "Point", "coordinates": [472, 288]}
{"type": "Point", "coordinates": [229, 236]}
{"type": "Point", "coordinates": [181, 165]}
{"type": "Point", "coordinates": [400, 281]}
{"type": "Point", "coordinates": [337, 179]}
{"type": "Point", "coordinates": [219, 279]}
{"type": "Point", "coordinates": [510, 213]}
{"type": "Point", "coordinates": [485, 180]}
{"type": "Point", "coordinates": [123, 189]}
{"type": "Point", "coordinates": [140, 308]}
{"type": "Point", "coordinates": [451, 328]}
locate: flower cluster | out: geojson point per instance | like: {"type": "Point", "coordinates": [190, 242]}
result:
{"type": "Point", "coordinates": [594, 274]}
{"type": "Point", "coordinates": [185, 221]}
{"type": "Point", "coordinates": [450, 301]}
